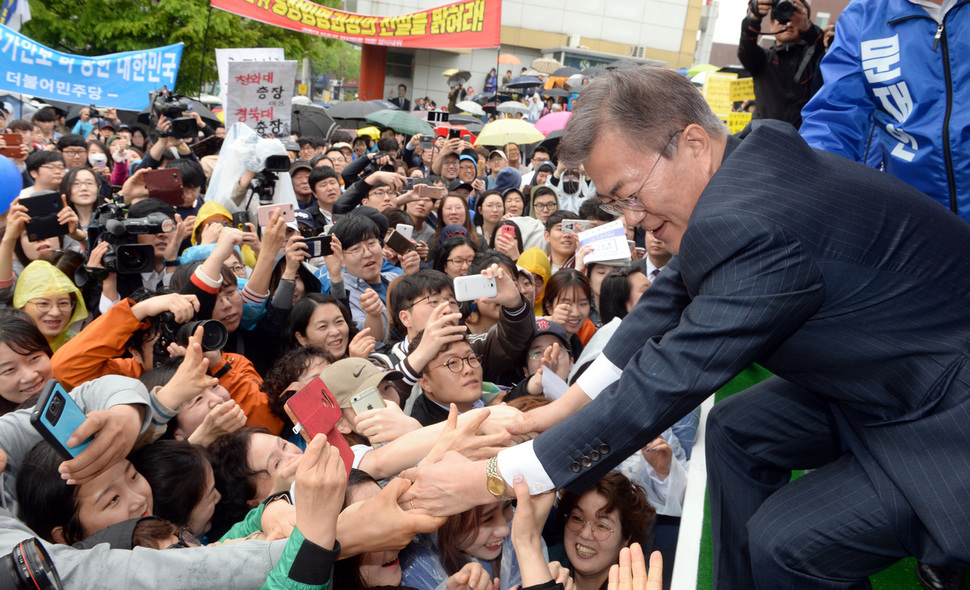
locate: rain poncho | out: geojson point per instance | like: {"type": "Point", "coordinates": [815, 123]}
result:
{"type": "Point", "coordinates": [42, 279]}
{"type": "Point", "coordinates": [207, 212]}
{"type": "Point", "coordinates": [536, 261]}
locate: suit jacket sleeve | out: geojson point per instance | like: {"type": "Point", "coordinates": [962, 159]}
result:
{"type": "Point", "coordinates": [752, 286]}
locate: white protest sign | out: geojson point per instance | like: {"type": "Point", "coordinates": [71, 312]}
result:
{"type": "Point", "coordinates": [261, 96]}
{"type": "Point", "coordinates": [224, 56]}
{"type": "Point", "coordinates": [608, 242]}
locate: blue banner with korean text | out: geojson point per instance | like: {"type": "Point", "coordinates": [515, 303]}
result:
{"type": "Point", "coordinates": [119, 80]}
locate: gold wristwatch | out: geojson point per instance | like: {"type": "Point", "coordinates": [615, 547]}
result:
{"type": "Point", "coordinates": [495, 484]}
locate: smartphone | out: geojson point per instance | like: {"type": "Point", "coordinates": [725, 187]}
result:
{"type": "Point", "coordinates": [240, 219]}
{"type": "Point", "coordinates": [13, 141]}
{"type": "Point", "coordinates": [409, 184]}
{"type": "Point", "coordinates": [56, 416]}
{"type": "Point", "coordinates": [426, 142]}
{"type": "Point", "coordinates": [431, 192]}
{"type": "Point", "coordinates": [43, 207]}
{"type": "Point", "coordinates": [474, 287]}
{"type": "Point", "coordinates": [438, 117]}
{"type": "Point", "coordinates": [399, 243]}
{"type": "Point", "coordinates": [575, 226]}
{"type": "Point", "coordinates": [315, 411]}
{"type": "Point", "coordinates": [507, 231]}
{"type": "Point", "coordinates": [454, 133]}
{"type": "Point", "coordinates": [318, 246]}
{"type": "Point", "coordinates": [405, 230]}
{"type": "Point", "coordinates": [369, 399]}
{"type": "Point", "coordinates": [264, 211]}
{"type": "Point", "coordinates": [466, 137]}
{"type": "Point", "coordinates": [166, 185]}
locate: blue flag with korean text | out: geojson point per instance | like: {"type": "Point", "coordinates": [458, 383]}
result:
{"type": "Point", "coordinates": [119, 80]}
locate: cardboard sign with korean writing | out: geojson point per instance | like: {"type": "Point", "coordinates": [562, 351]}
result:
{"type": "Point", "coordinates": [466, 24]}
{"type": "Point", "coordinates": [717, 92]}
{"type": "Point", "coordinates": [742, 89]}
{"type": "Point", "coordinates": [224, 56]}
{"type": "Point", "coordinates": [119, 80]}
{"type": "Point", "coordinates": [261, 96]}
{"type": "Point", "coordinates": [738, 121]}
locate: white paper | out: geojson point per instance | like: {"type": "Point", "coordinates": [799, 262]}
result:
{"type": "Point", "coordinates": [608, 241]}
{"type": "Point", "coordinates": [261, 96]}
{"type": "Point", "coordinates": [553, 387]}
{"type": "Point", "coordinates": [224, 56]}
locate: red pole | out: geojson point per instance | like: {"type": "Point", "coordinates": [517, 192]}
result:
{"type": "Point", "coordinates": [373, 63]}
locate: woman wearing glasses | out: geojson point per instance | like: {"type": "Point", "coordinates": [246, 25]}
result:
{"type": "Point", "coordinates": [51, 300]}
{"type": "Point", "coordinates": [613, 514]}
{"type": "Point", "coordinates": [82, 188]}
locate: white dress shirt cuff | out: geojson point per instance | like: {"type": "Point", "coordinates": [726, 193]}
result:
{"type": "Point", "coordinates": [598, 377]}
{"type": "Point", "coordinates": [522, 459]}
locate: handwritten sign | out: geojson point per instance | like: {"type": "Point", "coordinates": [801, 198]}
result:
{"type": "Point", "coordinates": [261, 96]}
{"type": "Point", "coordinates": [717, 92]}
{"type": "Point", "coordinates": [738, 121]}
{"type": "Point", "coordinates": [742, 89]}
{"type": "Point", "coordinates": [224, 56]}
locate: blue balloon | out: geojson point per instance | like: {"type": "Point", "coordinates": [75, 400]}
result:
{"type": "Point", "coordinates": [11, 183]}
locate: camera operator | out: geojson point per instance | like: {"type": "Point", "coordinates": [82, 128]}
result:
{"type": "Point", "coordinates": [382, 159]}
{"type": "Point", "coordinates": [156, 157]}
{"type": "Point", "coordinates": [122, 342]}
{"type": "Point", "coordinates": [787, 74]}
{"type": "Point", "coordinates": [446, 162]}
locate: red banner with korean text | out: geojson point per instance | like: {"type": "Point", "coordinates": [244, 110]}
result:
{"type": "Point", "coordinates": [466, 24]}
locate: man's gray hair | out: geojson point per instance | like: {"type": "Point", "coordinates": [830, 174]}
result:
{"type": "Point", "coordinates": [647, 104]}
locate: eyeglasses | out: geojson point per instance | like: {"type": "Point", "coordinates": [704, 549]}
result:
{"type": "Point", "coordinates": [57, 167]}
{"type": "Point", "coordinates": [44, 305]}
{"type": "Point", "coordinates": [457, 364]}
{"type": "Point", "coordinates": [536, 353]}
{"type": "Point", "coordinates": [186, 538]}
{"type": "Point", "coordinates": [600, 531]}
{"type": "Point", "coordinates": [550, 206]}
{"type": "Point", "coordinates": [633, 203]}
{"type": "Point", "coordinates": [457, 261]}
{"type": "Point", "coordinates": [87, 183]}
{"type": "Point", "coordinates": [434, 302]}
{"type": "Point", "coordinates": [74, 152]}
{"type": "Point", "coordinates": [358, 250]}
{"type": "Point", "coordinates": [237, 269]}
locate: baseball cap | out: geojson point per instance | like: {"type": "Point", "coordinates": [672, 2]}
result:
{"type": "Point", "coordinates": [457, 184]}
{"type": "Point", "coordinates": [303, 216]}
{"type": "Point", "coordinates": [544, 326]}
{"type": "Point", "coordinates": [300, 165]}
{"type": "Point", "coordinates": [348, 377]}
{"type": "Point", "coordinates": [341, 145]}
{"type": "Point", "coordinates": [104, 124]}
{"type": "Point", "coordinates": [497, 153]}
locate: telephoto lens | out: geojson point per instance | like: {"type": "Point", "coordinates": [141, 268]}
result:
{"type": "Point", "coordinates": [28, 567]}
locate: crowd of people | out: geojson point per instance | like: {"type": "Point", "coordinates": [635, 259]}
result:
{"type": "Point", "coordinates": [196, 446]}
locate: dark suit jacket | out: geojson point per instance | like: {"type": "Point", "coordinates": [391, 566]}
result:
{"type": "Point", "coordinates": [836, 277]}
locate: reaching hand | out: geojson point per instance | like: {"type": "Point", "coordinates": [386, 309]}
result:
{"type": "Point", "coordinates": [190, 379]}
{"type": "Point", "coordinates": [371, 303]}
{"type": "Point", "coordinates": [632, 573]}
{"type": "Point", "coordinates": [659, 455]}
{"type": "Point", "coordinates": [385, 424]}
{"type": "Point", "coordinates": [114, 431]}
{"type": "Point", "coordinates": [472, 577]}
{"type": "Point", "coordinates": [321, 481]}
{"type": "Point", "coordinates": [508, 291]}
{"type": "Point", "coordinates": [225, 418]}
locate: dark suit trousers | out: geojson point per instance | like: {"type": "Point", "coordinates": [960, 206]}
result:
{"type": "Point", "coordinates": [769, 533]}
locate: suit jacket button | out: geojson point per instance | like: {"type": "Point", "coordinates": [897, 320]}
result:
{"type": "Point", "coordinates": [575, 467]}
{"type": "Point", "coordinates": [586, 462]}
{"type": "Point", "coordinates": [594, 455]}
{"type": "Point", "coordinates": [604, 449]}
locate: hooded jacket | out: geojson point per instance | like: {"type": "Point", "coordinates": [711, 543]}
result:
{"type": "Point", "coordinates": [42, 279]}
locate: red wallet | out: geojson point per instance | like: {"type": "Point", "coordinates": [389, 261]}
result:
{"type": "Point", "coordinates": [315, 410]}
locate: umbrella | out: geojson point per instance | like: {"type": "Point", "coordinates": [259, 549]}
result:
{"type": "Point", "coordinates": [145, 115]}
{"type": "Point", "coordinates": [459, 77]}
{"type": "Point", "coordinates": [556, 93]}
{"type": "Point", "coordinates": [551, 142]}
{"type": "Point", "coordinates": [313, 121]}
{"type": "Point", "coordinates": [698, 68]}
{"type": "Point", "coordinates": [385, 104]}
{"type": "Point", "coordinates": [553, 122]}
{"type": "Point", "coordinates": [513, 106]}
{"type": "Point", "coordinates": [546, 65]}
{"type": "Point", "coordinates": [442, 131]}
{"type": "Point", "coordinates": [595, 72]}
{"type": "Point", "coordinates": [504, 131]}
{"type": "Point", "coordinates": [532, 72]}
{"type": "Point", "coordinates": [450, 72]}
{"type": "Point", "coordinates": [565, 72]}
{"type": "Point", "coordinates": [575, 81]}
{"type": "Point", "coordinates": [401, 122]}
{"type": "Point", "coordinates": [622, 64]}
{"type": "Point", "coordinates": [470, 106]}
{"type": "Point", "coordinates": [473, 124]}
{"type": "Point", "coordinates": [482, 99]}
{"type": "Point", "coordinates": [508, 58]}
{"type": "Point", "coordinates": [352, 109]}
{"type": "Point", "coordinates": [524, 82]}
{"type": "Point", "coordinates": [370, 131]}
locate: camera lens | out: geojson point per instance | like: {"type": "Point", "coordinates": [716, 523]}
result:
{"type": "Point", "coordinates": [28, 567]}
{"type": "Point", "coordinates": [135, 258]}
{"type": "Point", "coordinates": [214, 334]}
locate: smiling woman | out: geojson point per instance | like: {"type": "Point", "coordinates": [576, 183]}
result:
{"type": "Point", "coordinates": [25, 364]}
{"type": "Point", "coordinates": [51, 300]}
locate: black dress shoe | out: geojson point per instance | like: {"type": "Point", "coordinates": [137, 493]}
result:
{"type": "Point", "coordinates": [938, 578]}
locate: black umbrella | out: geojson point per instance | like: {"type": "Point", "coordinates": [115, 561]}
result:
{"type": "Point", "coordinates": [352, 110]}
{"type": "Point", "coordinates": [494, 99]}
{"type": "Point", "coordinates": [555, 93]}
{"type": "Point", "coordinates": [312, 121]}
{"type": "Point", "coordinates": [459, 77]}
{"type": "Point", "coordinates": [473, 124]}
{"type": "Point", "coordinates": [524, 82]}
{"type": "Point", "coordinates": [594, 72]}
{"type": "Point", "coordinates": [385, 104]}
{"type": "Point", "coordinates": [565, 72]}
{"type": "Point", "coordinates": [551, 142]}
{"type": "Point", "coordinates": [622, 64]}
{"type": "Point", "coordinates": [145, 115]}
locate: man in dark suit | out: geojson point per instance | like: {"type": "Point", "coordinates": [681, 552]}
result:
{"type": "Point", "coordinates": [851, 286]}
{"type": "Point", "coordinates": [401, 99]}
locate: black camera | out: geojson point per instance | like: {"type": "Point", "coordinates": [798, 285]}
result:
{"type": "Point", "coordinates": [172, 106]}
{"type": "Point", "coordinates": [781, 10]}
{"type": "Point", "coordinates": [94, 112]}
{"type": "Point", "coordinates": [125, 255]}
{"type": "Point", "coordinates": [214, 335]}
{"type": "Point", "coordinates": [29, 567]}
{"type": "Point", "coordinates": [263, 185]}
{"type": "Point", "coordinates": [373, 166]}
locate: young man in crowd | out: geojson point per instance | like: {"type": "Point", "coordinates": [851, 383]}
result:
{"type": "Point", "coordinates": [544, 202]}
{"type": "Point", "coordinates": [325, 185]}
{"type": "Point", "coordinates": [46, 168]}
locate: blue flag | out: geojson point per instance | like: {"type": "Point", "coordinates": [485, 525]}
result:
{"type": "Point", "coordinates": [119, 80]}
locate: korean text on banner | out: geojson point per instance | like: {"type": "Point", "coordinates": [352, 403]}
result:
{"type": "Point", "coordinates": [224, 56]}
{"type": "Point", "coordinates": [261, 96]}
{"type": "Point", "coordinates": [466, 24]}
{"type": "Point", "coordinates": [119, 80]}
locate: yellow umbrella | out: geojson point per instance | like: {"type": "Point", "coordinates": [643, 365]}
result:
{"type": "Point", "coordinates": [449, 72]}
{"type": "Point", "coordinates": [503, 131]}
{"type": "Point", "coordinates": [371, 132]}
